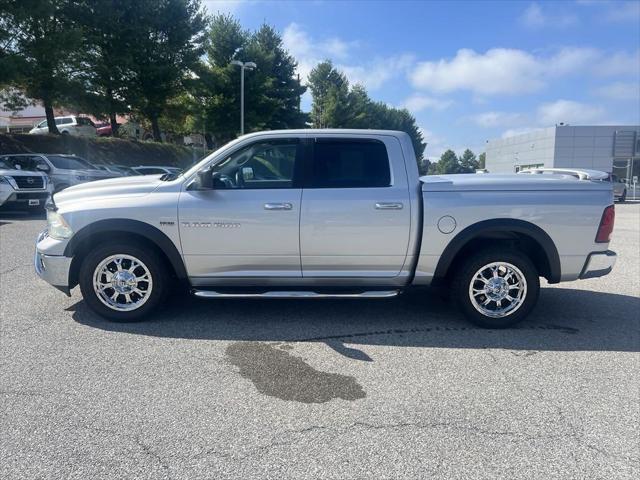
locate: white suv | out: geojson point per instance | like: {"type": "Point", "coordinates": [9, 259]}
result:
{"type": "Point", "coordinates": [69, 125]}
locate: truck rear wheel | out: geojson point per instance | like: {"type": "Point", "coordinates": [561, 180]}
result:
{"type": "Point", "coordinates": [123, 282]}
{"type": "Point", "coordinates": [496, 288]}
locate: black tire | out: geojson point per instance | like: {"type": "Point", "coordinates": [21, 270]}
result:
{"type": "Point", "coordinates": [466, 272]}
{"type": "Point", "coordinates": [146, 255]}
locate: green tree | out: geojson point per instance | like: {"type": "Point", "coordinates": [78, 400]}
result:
{"type": "Point", "coordinates": [468, 162]}
{"type": "Point", "coordinates": [165, 43]}
{"type": "Point", "coordinates": [447, 164]}
{"type": "Point", "coordinates": [330, 97]}
{"type": "Point", "coordinates": [272, 90]}
{"type": "Point", "coordinates": [107, 60]}
{"type": "Point", "coordinates": [40, 51]}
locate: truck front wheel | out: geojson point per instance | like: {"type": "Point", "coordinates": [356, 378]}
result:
{"type": "Point", "coordinates": [496, 288]}
{"type": "Point", "coordinates": [123, 282]}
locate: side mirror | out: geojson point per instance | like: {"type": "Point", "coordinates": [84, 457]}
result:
{"type": "Point", "coordinates": [205, 179]}
{"type": "Point", "coordinates": [42, 168]}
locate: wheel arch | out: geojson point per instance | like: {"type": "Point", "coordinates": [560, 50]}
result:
{"type": "Point", "coordinates": [527, 236]}
{"type": "Point", "coordinates": [92, 235]}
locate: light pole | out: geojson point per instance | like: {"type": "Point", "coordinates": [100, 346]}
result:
{"type": "Point", "coordinates": [243, 66]}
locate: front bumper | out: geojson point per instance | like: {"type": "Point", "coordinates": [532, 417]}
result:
{"type": "Point", "coordinates": [53, 269]}
{"type": "Point", "coordinates": [599, 264]}
{"type": "Point", "coordinates": [24, 198]}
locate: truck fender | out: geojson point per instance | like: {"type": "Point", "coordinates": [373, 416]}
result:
{"type": "Point", "coordinates": [136, 227]}
{"type": "Point", "coordinates": [501, 226]}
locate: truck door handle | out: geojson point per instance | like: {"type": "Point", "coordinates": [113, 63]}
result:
{"type": "Point", "coordinates": [278, 206]}
{"type": "Point", "coordinates": [389, 206]}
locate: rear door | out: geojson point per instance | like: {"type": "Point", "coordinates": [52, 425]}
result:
{"type": "Point", "coordinates": [355, 219]}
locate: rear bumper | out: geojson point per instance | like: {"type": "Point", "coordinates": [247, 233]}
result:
{"type": "Point", "coordinates": [599, 264]}
{"type": "Point", "coordinates": [53, 269]}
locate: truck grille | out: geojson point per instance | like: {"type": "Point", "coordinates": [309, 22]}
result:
{"type": "Point", "coordinates": [31, 181]}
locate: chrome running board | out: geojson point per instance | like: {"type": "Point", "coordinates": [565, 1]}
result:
{"type": "Point", "coordinates": [296, 294]}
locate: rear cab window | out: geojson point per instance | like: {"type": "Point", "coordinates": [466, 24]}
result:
{"type": "Point", "coordinates": [349, 163]}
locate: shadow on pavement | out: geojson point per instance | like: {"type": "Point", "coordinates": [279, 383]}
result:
{"type": "Point", "coordinates": [564, 320]}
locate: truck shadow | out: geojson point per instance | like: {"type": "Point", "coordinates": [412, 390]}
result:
{"type": "Point", "coordinates": [564, 320]}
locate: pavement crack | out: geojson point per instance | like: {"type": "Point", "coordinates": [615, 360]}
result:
{"type": "Point", "coordinates": [4, 272]}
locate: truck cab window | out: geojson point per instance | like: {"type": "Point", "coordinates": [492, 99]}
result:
{"type": "Point", "coordinates": [351, 163]}
{"type": "Point", "coordinates": [265, 164]}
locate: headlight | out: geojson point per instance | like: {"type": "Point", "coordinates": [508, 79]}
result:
{"type": "Point", "coordinates": [57, 226]}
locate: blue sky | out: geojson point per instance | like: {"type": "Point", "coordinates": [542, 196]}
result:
{"type": "Point", "coordinates": [471, 70]}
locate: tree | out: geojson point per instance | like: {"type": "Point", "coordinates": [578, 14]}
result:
{"type": "Point", "coordinates": [468, 162]}
{"type": "Point", "coordinates": [165, 43]}
{"type": "Point", "coordinates": [41, 47]}
{"type": "Point", "coordinates": [330, 93]}
{"type": "Point", "coordinates": [272, 90]}
{"type": "Point", "coordinates": [107, 61]}
{"type": "Point", "coordinates": [447, 164]}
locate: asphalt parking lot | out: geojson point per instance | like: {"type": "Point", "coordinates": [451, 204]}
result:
{"type": "Point", "coordinates": [398, 388]}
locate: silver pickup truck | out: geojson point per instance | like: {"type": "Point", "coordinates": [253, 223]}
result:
{"type": "Point", "coordinates": [327, 214]}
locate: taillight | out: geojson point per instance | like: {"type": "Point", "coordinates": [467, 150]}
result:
{"type": "Point", "coordinates": [606, 225]}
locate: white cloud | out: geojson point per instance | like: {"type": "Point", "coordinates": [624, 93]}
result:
{"type": "Point", "coordinates": [378, 71]}
{"type": "Point", "coordinates": [624, 12]}
{"type": "Point", "coordinates": [499, 70]}
{"type": "Point", "coordinates": [535, 17]}
{"type": "Point", "coordinates": [498, 119]}
{"type": "Point", "coordinates": [309, 52]}
{"type": "Point", "coordinates": [618, 63]}
{"type": "Point", "coordinates": [502, 71]}
{"type": "Point", "coordinates": [620, 91]}
{"type": "Point", "coordinates": [418, 102]}
{"type": "Point", "coordinates": [568, 111]}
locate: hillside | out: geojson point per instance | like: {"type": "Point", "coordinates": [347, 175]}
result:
{"type": "Point", "coordinates": [102, 150]}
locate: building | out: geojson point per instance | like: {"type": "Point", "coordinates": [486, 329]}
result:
{"type": "Point", "coordinates": [614, 149]}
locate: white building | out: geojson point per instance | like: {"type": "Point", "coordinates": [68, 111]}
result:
{"type": "Point", "coordinates": [613, 149]}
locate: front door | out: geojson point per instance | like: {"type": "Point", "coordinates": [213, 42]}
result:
{"type": "Point", "coordinates": [248, 225]}
{"type": "Point", "coordinates": [356, 214]}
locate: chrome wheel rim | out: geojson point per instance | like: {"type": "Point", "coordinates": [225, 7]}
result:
{"type": "Point", "coordinates": [498, 289]}
{"type": "Point", "coordinates": [122, 282]}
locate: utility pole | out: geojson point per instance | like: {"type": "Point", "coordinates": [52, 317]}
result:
{"type": "Point", "coordinates": [243, 66]}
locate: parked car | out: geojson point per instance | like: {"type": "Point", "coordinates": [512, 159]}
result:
{"type": "Point", "coordinates": [68, 125]}
{"type": "Point", "coordinates": [618, 185]}
{"type": "Point", "coordinates": [21, 189]}
{"type": "Point", "coordinates": [62, 170]}
{"type": "Point", "coordinates": [619, 188]}
{"type": "Point", "coordinates": [330, 214]}
{"type": "Point", "coordinates": [118, 169]}
{"type": "Point", "coordinates": [105, 130]}
{"type": "Point", "coordinates": [155, 170]}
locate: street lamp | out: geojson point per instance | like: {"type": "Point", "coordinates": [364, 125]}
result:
{"type": "Point", "coordinates": [243, 66]}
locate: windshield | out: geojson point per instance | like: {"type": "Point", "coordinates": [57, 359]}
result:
{"type": "Point", "coordinates": [70, 163]}
{"type": "Point", "coordinates": [4, 165]}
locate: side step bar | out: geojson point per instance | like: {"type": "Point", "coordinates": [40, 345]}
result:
{"type": "Point", "coordinates": [296, 294]}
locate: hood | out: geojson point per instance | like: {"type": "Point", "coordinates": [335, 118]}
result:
{"type": "Point", "coordinates": [111, 188]}
{"type": "Point", "coordinates": [496, 182]}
